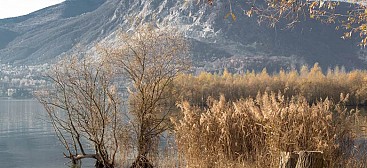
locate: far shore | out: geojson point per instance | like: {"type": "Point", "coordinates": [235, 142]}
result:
{"type": "Point", "coordinates": [12, 98]}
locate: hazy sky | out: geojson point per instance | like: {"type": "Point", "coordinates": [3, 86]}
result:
{"type": "Point", "coordinates": [12, 8]}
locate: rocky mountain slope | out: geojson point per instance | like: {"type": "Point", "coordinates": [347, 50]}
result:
{"type": "Point", "coordinates": [216, 42]}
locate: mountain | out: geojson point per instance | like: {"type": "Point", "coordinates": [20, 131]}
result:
{"type": "Point", "coordinates": [216, 41]}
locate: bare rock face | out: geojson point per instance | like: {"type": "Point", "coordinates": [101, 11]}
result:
{"type": "Point", "coordinates": [50, 33]}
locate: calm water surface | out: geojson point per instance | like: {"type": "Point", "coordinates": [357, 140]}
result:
{"type": "Point", "coordinates": [27, 140]}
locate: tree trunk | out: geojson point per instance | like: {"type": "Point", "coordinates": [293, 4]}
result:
{"type": "Point", "coordinates": [144, 146]}
{"type": "Point", "coordinates": [141, 162]}
{"type": "Point", "coordinates": [310, 159]}
{"type": "Point", "coordinates": [76, 160]}
{"type": "Point", "coordinates": [100, 164]}
{"type": "Point", "coordinates": [288, 160]}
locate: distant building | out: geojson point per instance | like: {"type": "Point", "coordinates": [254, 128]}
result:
{"type": "Point", "coordinates": [11, 92]}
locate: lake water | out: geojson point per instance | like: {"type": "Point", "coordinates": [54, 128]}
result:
{"type": "Point", "coordinates": [27, 140]}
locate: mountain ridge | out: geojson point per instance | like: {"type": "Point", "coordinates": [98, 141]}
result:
{"type": "Point", "coordinates": [50, 33]}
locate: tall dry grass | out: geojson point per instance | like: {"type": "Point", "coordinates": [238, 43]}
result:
{"type": "Point", "coordinates": [226, 122]}
{"type": "Point", "coordinates": [312, 83]}
{"type": "Point", "coordinates": [252, 132]}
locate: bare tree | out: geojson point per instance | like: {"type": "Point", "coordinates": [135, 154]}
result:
{"type": "Point", "coordinates": [83, 108]}
{"type": "Point", "coordinates": [150, 58]}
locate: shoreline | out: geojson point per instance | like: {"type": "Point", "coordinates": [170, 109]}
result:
{"type": "Point", "coordinates": [17, 99]}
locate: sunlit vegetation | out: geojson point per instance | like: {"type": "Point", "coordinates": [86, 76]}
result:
{"type": "Point", "coordinates": [226, 120]}
{"type": "Point", "coordinates": [250, 119]}
{"type": "Point", "coordinates": [311, 83]}
{"type": "Point", "coordinates": [222, 120]}
{"type": "Point", "coordinates": [253, 132]}
{"type": "Point", "coordinates": [87, 111]}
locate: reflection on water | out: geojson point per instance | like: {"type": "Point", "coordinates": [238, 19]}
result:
{"type": "Point", "coordinates": [27, 140]}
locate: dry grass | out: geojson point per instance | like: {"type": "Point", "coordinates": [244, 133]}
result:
{"type": "Point", "coordinates": [252, 132]}
{"type": "Point", "coordinates": [312, 83]}
{"type": "Point", "coordinates": [226, 122]}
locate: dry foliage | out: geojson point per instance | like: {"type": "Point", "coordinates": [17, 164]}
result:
{"type": "Point", "coordinates": [252, 132]}
{"type": "Point", "coordinates": [312, 83]}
